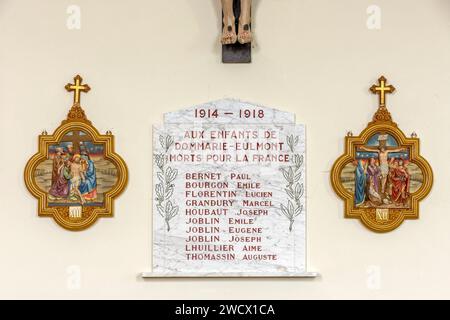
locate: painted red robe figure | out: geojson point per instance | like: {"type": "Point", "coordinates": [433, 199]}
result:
{"type": "Point", "coordinates": [400, 181]}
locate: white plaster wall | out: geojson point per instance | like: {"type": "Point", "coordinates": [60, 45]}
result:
{"type": "Point", "coordinates": [316, 58]}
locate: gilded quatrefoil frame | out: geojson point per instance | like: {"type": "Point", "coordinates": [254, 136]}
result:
{"type": "Point", "coordinates": [76, 121]}
{"type": "Point", "coordinates": [382, 123]}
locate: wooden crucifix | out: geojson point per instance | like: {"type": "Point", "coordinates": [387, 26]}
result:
{"type": "Point", "coordinates": [237, 33]}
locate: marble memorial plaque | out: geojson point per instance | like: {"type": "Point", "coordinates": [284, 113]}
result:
{"type": "Point", "coordinates": [229, 192]}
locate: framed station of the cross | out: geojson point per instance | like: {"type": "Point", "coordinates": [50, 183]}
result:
{"type": "Point", "coordinates": [382, 176]}
{"type": "Point", "coordinates": [76, 173]}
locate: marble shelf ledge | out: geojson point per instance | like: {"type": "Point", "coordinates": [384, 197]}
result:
{"type": "Point", "coordinates": [156, 275]}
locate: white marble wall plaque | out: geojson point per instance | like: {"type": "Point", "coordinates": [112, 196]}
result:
{"type": "Point", "coordinates": [229, 192]}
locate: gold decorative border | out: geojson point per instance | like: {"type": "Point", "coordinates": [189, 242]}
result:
{"type": "Point", "coordinates": [42, 155]}
{"type": "Point", "coordinates": [349, 155]}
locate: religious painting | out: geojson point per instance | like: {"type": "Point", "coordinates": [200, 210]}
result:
{"type": "Point", "coordinates": [382, 177]}
{"type": "Point", "coordinates": [76, 174]}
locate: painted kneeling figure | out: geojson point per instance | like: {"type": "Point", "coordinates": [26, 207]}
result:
{"type": "Point", "coordinates": [88, 187]}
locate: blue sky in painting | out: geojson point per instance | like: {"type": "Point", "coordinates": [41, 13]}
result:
{"type": "Point", "coordinates": [373, 142]}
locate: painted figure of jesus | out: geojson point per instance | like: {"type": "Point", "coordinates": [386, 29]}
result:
{"type": "Point", "coordinates": [77, 173]}
{"type": "Point", "coordinates": [244, 33]}
{"type": "Point", "coordinates": [383, 155]}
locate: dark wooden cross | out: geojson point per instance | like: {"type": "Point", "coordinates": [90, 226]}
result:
{"type": "Point", "coordinates": [76, 139]}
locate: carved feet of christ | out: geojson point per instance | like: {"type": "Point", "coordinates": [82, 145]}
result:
{"type": "Point", "coordinates": [244, 34]}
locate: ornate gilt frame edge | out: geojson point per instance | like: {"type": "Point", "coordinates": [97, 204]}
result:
{"type": "Point", "coordinates": [44, 141]}
{"type": "Point", "coordinates": [349, 154]}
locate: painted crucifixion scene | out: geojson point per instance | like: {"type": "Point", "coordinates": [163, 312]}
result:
{"type": "Point", "coordinates": [76, 172]}
{"type": "Point", "coordinates": [382, 175]}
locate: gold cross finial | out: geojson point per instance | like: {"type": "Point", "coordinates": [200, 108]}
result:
{"type": "Point", "coordinates": [381, 89]}
{"type": "Point", "coordinates": [77, 88]}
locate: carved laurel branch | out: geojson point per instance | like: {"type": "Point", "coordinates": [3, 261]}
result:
{"type": "Point", "coordinates": [294, 189]}
{"type": "Point", "coordinates": [164, 188]}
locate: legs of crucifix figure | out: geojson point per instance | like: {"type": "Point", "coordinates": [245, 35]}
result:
{"type": "Point", "coordinates": [383, 183]}
{"type": "Point", "coordinates": [245, 20]}
{"type": "Point", "coordinates": [229, 26]}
